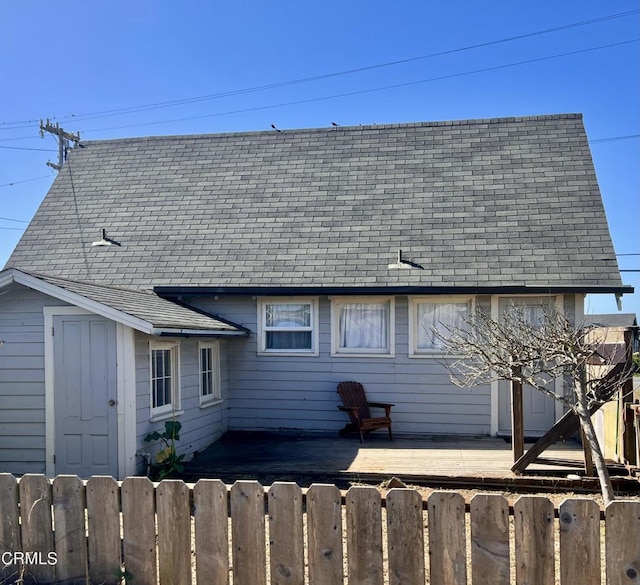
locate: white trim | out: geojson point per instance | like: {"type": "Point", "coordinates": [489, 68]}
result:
{"type": "Point", "coordinates": [126, 401]}
{"type": "Point", "coordinates": [173, 408]}
{"type": "Point", "coordinates": [261, 343]}
{"type": "Point", "coordinates": [365, 352]}
{"type": "Point", "coordinates": [216, 396]}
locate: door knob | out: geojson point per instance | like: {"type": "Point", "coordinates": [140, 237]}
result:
{"type": "Point", "coordinates": [112, 402]}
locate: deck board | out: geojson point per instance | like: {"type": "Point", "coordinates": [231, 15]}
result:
{"type": "Point", "coordinates": [245, 454]}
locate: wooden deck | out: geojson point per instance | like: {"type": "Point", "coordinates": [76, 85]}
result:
{"type": "Point", "coordinates": [287, 457]}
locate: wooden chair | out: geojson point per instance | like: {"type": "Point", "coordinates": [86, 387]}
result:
{"type": "Point", "coordinates": [357, 407]}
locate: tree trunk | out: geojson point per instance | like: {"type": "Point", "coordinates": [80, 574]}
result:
{"type": "Point", "coordinates": [598, 458]}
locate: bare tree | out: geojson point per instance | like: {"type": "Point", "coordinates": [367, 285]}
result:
{"type": "Point", "coordinates": [536, 353]}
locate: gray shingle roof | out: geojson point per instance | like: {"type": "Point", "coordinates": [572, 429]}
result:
{"type": "Point", "coordinates": [496, 202]}
{"type": "Point", "coordinates": [611, 320]}
{"type": "Point", "coordinates": [159, 313]}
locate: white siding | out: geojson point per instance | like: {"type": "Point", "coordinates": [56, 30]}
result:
{"type": "Point", "coordinates": [22, 394]}
{"type": "Point", "coordinates": [277, 392]}
{"type": "Point", "coordinates": [200, 426]}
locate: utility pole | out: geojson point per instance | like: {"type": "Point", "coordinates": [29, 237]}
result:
{"type": "Point", "coordinates": [63, 141]}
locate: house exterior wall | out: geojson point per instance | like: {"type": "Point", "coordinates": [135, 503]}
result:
{"type": "Point", "coordinates": [22, 379]}
{"type": "Point", "coordinates": [299, 392]}
{"type": "Point", "coordinates": [201, 426]}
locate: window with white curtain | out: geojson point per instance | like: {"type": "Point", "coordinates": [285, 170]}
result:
{"type": "Point", "coordinates": [363, 326]}
{"type": "Point", "coordinates": [430, 317]}
{"type": "Point", "coordinates": [288, 326]}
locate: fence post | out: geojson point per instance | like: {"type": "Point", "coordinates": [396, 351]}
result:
{"type": "Point", "coordinates": [534, 542]}
{"type": "Point", "coordinates": [10, 540]}
{"type": "Point", "coordinates": [139, 527]}
{"type": "Point", "coordinates": [247, 533]}
{"type": "Point", "coordinates": [405, 537]}
{"type": "Point", "coordinates": [364, 536]}
{"type": "Point", "coordinates": [447, 539]}
{"type": "Point", "coordinates": [103, 520]}
{"type": "Point", "coordinates": [324, 530]}
{"type": "Point", "coordinates": [579, 542]}
{"type": "Point", "coordinates": [286, 536]}
{"type": "Point", "coordinates": [622, 538]}
{"type": "Point", "coordinates": [174, 532]}
{"type": "Point", "coordinates": [37, 532]}
{"type": "Point", "coordinates": [211, 526]}
{"type": "Point", "coordinates": [489, 540]}
{"type": "Point", "coordinates": [70, 532]}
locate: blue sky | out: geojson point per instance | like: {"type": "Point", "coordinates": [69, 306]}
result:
{"type": "Point", "coordinates": [115, 69]}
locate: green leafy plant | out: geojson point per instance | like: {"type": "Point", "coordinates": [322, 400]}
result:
{"type": "Point", "coordinates": [167, 462]}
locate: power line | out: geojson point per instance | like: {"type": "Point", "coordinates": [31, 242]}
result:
{"type": "Point", "coordinates": [23, 148]}
{"type": "Point", "coordinates": [26, 181]}
{"type": "Point", "coordinates": [12, 219]}
{"type": "Point", "coordinates": [12, 228]}
{"type": "Point", "coordinates": [614, 138]}
{"type": "Point", "coordinates": [171, 103]}
{"type": "Point", "coordinates": [363, 91]}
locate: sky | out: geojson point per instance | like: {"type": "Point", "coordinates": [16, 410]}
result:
{"type": "Point", "coordinates": [157, 67]}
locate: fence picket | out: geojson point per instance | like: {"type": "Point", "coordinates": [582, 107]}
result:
{"type": "Point", "coordinates": [447, 540]}
{"type": "Point", "coordinates": [139, 528]}
{"type": "Point", "coordinates": [579, 542]}
{"type": "Point", "coordinates": [534, 541]}
{"type": "Point", "coordinates": [103, 520]}
{"type": "Point", "coordinates": [37, 532]}
{"type": "Point", "coordinates": [286, 536]}
{"type": "Point", "coordinates": [622, 539]}
{"type": "Point", "coordinates": [174, 532]}
{"type": "Point", "coordinates": [211, 532]}
{"type": "Point", "coordinates": [70, 532]}
{"type": "Point", "coordinates": [10, 540]}
{"type": "Point", "coordinates": [489, 540]}
{"type": "Point", "coordinates": [405, 537]}
{"type": "Point", "coordinates": [364, 536]}
{"type": "Point", "coordinates": [324, 530]}
{"type": "Point", "coordinates": [247, 533]}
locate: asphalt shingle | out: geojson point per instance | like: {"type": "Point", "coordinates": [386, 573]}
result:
{"type": "Point", "coordinates": [477, 203]}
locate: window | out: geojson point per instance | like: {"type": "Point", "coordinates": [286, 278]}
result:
{"type": "Point", "coordinates": [165, 387]}
{"type": "Point", "coordinates": [209, 355]}
{"type": "Point", "coordinates": [428, 316]}
{"type": "Point", "coordinates": [288, 326]}
{"type": "Point", "coordinates": [363, 326]}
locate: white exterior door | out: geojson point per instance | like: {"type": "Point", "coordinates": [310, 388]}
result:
{"type": "Point", "coordinates": [85, 395]}
{"type": "Point", "coordinates": [539, 409]}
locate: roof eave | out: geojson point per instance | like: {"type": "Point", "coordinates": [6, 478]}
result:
{"type": "Point", "coordinates": [172, 332]}
{"type": "Point", "coordinates": [193, 291]}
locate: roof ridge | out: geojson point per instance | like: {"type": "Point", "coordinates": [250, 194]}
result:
{"type": "Point", "coordinates": [361, 127]}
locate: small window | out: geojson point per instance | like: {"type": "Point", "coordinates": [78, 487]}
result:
{"type": "Point", "coordinates": [209, 354]}
{"type": "Point", "coordinates": [288, 326]}
{"type": "Point", "coordinates": [165, 390]}
{"type": "Point", "coordinates": [432, 317]}
{"type": "Point", "coordinates": [363, 326]}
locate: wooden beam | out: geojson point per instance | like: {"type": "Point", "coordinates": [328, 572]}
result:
{"type": "Point", "coordinates": [517, 420]}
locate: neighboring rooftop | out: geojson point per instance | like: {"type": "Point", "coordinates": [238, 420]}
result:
{"type": "Point", "coordinates": [476, 203]}
{"type": "Point", "coordinates": [611, 320]}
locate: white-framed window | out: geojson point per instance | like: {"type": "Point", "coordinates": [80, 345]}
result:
{"type": "Point", "coordinates": [165, 380]}
{"type": "Point", "coordinates": [429, 316]}
{"type": "Point", "coordinates": [288, 326]}
{"type": "Point", "coordinates": [362, 326]}
{"type": "Point", "coordinates": [209, 368]}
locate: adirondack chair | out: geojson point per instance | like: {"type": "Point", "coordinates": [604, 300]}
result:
{"type": "Point", "coordinates": [357, 407]}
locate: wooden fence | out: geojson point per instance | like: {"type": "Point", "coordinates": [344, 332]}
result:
{"type": "Point", "coordinates": [135, 532]}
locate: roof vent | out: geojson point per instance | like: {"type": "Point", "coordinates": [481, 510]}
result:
{"type": "Point", "coordinates": [402, 263]}
{"type": "Point", "coordinates": [105, 241]}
